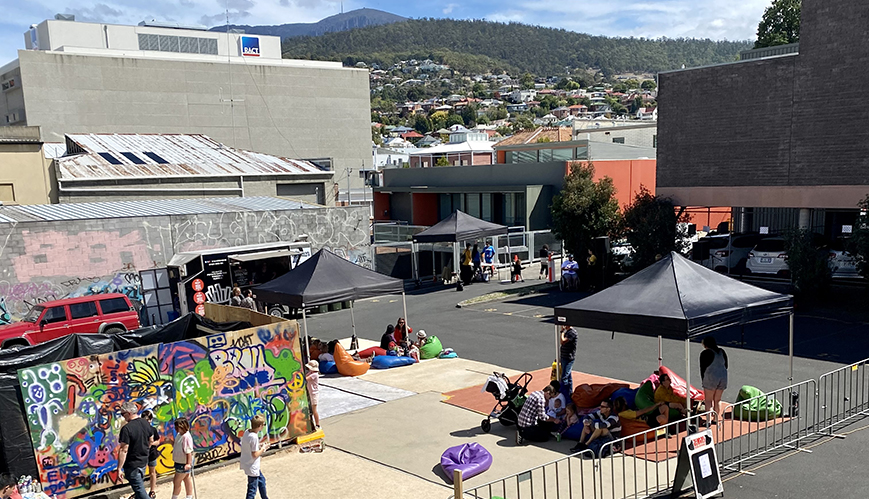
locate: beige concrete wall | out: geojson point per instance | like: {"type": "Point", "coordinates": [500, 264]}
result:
{"type": "Point", "coordinates": [295, 112]}
{"type": "Point", "coordinates": [23, 174]}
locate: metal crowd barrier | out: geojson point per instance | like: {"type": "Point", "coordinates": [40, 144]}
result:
{"type": "Point", "coordinates": [843, 394]}
{"type": "Point", "coordinates": [568, 477]}
{"type": "Point", "coordinates": [774, 420]}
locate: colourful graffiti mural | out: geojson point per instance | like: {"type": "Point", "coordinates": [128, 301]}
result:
{"type": "Point", "coordinates": [218, 382]}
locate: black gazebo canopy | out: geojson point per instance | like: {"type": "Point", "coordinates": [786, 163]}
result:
{"type": "Point", "coordinates": [459, 227]}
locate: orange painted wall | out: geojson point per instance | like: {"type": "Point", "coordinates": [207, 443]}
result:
{"type": "Point", "coordinates": [381, 206]}
{"type": "Point", "coordinates": [627, 176]}
{"type": "Point", "coordinates": [425, 209]}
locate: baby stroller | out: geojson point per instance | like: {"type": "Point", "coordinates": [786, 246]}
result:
{"type": "Point", "coordinates": [509, 396]}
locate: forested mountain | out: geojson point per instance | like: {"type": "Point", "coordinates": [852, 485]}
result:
{"type": "Point", "coordinates": [479, 46]}
{"type": "Point", "coordinates": [358, 18]}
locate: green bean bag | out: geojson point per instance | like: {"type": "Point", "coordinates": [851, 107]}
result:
{"type": "Point", "coordinates": [431, 349]}
{"type": "Point", "coordinates": [758, 407]}
{"type": "Point", "coordinates": [646, 398]}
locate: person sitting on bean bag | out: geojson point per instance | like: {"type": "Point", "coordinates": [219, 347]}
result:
{"type": "Point", "coordinates": [664, 393]}
{"type": "Point", "coordinates": [387, 341]}
{"type": "Point", "coordinates": [654, 415]}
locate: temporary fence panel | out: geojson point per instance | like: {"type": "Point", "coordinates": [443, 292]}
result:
{"type": "Point", "coordinates": [569, 477]}
{"type": "Point", "coordinates": [774, 420]}
{"type": "Point", "coordinates": [842, 395]}
{"type": "Point", "coordinates": [394, 259]}
{"type": "Point", "coordinates": [218, 382]}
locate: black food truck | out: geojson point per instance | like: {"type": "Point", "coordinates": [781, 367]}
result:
{"type": "Point", "coordinates": [195, 277]}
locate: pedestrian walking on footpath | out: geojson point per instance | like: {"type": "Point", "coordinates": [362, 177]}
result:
{"type": "Point", "coordinates": [182, 455]}
{"type": "Point", "coordinates": [252, 448]}
{"type": "Point", "coordinates": [544, 262]}
{"type": "Point", "coordinates": [135, 442]}
{"type": "Point", "coordinates": [568, 356]}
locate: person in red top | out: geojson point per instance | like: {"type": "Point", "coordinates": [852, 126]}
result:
{"type": "Point", "coordinates": [8, 486]}
{"type": "Point", "coordinates": [402, 332]}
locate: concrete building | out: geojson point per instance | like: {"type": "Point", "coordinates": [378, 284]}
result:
{"type": "Point", "coordinates": [79, 78]}
{"type": "Point", "coordinates": [791, 147]}
{"type": "Point", "coordinates": [105, 167]}
{"type": "Point", "coordinates": [627, 132]}
{"type": "Point", "coordinates": [48, 252]}
{"type": "Point", "coordinates": [25, 174]}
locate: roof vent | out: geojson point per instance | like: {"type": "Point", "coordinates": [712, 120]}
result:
{"type": "Point", "coordinates": [65, 17]}
{"type": "Point", "coordinates": [153, 23]}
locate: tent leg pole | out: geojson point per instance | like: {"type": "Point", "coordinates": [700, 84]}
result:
{"type": "Point", "coordinates": [688, 376]}
{"type": "Point", "coordinates": [305, 325]}
{"type": "Point", "coordinates": [404, 304]}
{"type": "Point", "coordinates": [660, 351]}
{"type": "Point", "coordinates": [791, 348]}
{"type": "Point", "coordinates": [354, 341]}
{"type": "Point", "coordinates": [557, 353]}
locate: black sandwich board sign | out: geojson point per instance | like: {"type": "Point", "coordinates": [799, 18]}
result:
{"type": "Point", "coordinates": [698, 457]}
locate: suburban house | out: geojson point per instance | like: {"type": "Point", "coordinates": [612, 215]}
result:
{"type": "Point", "coordinates": [465, 147]}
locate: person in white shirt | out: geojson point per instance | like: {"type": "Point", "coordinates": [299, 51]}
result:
{"type": "Point", "coordinates": [251, 450]}
{"type": "Point", "coordinates": [182, 455]}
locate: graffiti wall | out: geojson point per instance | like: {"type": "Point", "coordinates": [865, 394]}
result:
{"type": "Point", "coordinates": [218, 382]}
{"type": "Point", "coordinates": [43, 261]}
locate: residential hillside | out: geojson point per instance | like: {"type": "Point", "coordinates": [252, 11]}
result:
{"type": "Point", "coordinates": [479, 46]}
{"type": "Point", "coordinates": [359, 18]}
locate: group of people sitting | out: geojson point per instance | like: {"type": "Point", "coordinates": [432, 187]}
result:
{"type": "Point", "coordinates": [547, 413]}
{"type": "Point", "coordinates": [472, 262]}
{"type": "Point", "coordinates": [398, 339]}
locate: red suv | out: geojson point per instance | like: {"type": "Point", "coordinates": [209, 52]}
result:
{"type": "Point", "coordinates": [108, 313]}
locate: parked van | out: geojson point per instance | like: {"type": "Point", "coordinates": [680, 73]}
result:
{"type": "Point", "coordinates": [108, 313]}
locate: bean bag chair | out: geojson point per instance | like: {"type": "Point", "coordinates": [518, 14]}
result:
{"type": "Point", "coordinates": [368, 352]}
{"type": "Point", "coordinates": [636, 427]}
{"type": "Point", "coordinates": [573, 432]}
{"type": "Point", "coordinates": [472, 459]}
{"type": "Point", "coordinates": [388, 361]}
{"type": "Point", "coordinates": [646, 398]}
{"type": "Point", "coordinates": [679, 385]}
{"type": "Point", "coordinates": [450, 355]}
{"type": "Point", "coordinates": [328, 368]}
{"type": "Point", "coordinates": [431, 349]}
{"type": "Point", "coordinates": [654, 379]}
{"type": "Point", "coordinates": [758, 407]}
{"type": "Point", "coordinates": [591, 395]}
{"type": "Point", "coordinates": [629, 394]}
{"type": "Point", "coordinates": [346, 365]}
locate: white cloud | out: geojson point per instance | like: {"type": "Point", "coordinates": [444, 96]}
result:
{"type": "Point", "coordinates": [449, 8]}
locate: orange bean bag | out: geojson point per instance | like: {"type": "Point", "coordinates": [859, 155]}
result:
{"type": "Point", "coordinates": [636, 427]}
{"type": "Point", "coordinates": [586, 395]}
{"type": "Point", "coordinates": [346, 365]}
{"type": "Point", "coordinates": [678, 385]}
{"type": "Point", "coordinates": [368, 352]}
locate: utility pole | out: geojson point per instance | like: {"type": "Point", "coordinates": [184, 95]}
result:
{"type": "Point", "coordinates": [349, 170]}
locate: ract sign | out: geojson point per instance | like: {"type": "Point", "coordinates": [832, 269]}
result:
{"type": "Point", "coordinates": [250, 46]}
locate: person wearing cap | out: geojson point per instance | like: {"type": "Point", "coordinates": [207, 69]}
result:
{"type": "Point", "coordinates": [569, 271]}
{"type": "Point", "coordinates": [313, 379]}
{"type": "Point", "coordinates": [135, 442]}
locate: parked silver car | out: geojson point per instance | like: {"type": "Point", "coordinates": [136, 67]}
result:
{"type": "Point", "coordinates": [842, 263]}
{"type": "Point", "coordinates": [729, 252]}
{"type": "Point", "coordinates": [768, 257]}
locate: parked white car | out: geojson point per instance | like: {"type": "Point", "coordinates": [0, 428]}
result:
{"type": "Point", "coordinates": [623, 254]}
{"type": "Point", "coordinates": [729, 251]}
{"type": "Point", "coordinates": [842, 263]}
{"type": "Point", "coordinates": [768, 257]}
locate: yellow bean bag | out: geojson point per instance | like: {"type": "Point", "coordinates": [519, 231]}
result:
{"type": "Point", "coordinates": [346, 365]}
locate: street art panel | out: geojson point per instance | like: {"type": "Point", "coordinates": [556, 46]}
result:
{"type": "Point", "coordinates": [218, 382]}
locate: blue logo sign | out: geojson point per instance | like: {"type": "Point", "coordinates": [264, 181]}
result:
{"type": "Point", "coordinates": [250, 46]}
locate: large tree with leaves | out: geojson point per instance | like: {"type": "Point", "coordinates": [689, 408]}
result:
{"type": "Point", "coordinates": [651, 226]}
{"type": "Point", "coordinates": [807, 263]}
{"type": "Point", "coordinates": [780, 24]}
{"type": "Point", "coordinates": [584, 209]}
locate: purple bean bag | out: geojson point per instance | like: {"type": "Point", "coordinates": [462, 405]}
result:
{"type": "Point", "coordinates": [471, 458]}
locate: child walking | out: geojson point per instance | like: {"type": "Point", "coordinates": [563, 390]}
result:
{"type": "Point", "coordinates": [182, 454]}
{"type": "Point", "coordinates": [313, 379]}
{"type": "Point", "coordinates": [252, 447]}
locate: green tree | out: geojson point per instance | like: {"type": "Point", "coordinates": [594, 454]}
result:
{"type": "Point", "coordinates": [584, 209]}
{"type": "Point", "coordinates": [375, 136]}
{"type": "Point", "coordinates": [421, 123]}
{"type": "Point", "coordinates": [780, 24]}
{"type": "Point", "coordinates": [807, 264]}
{"type": "Point", "coordinates": [648, 85]}
{"type": "Point", "coordinates": [504, 131]}
{"type": "Point", "coordinates": [858, 243]}
{"type": "Point", "coordinates": [651, 226]}
{"type": "Point", "coordinates": [479, 90]}
{"type": "Point", "coordinates": [442, 161]}
{"type": "Point", "coordinates": [455, 119]}
{"type": "Point", "coordinates": [527, 81]}
{"type": "Point", "coordinates": [620, 87]}
{"type": "Point", "coordinates": [632, 84]}
{"type": "Point", "coordinates": [469, 115]}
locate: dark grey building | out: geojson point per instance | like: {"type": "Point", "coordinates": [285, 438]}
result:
{"type": "Point", "coordinates": [780, 137]}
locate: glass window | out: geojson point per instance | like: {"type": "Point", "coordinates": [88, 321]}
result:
{"type": "Point", "coordinates": [54, 314]}
{"type": "Point", "coordinates": [508, 158]}
{"type": "Point", "coordinates": [487, 207]}
{"type": "Point", "coordinates": [545, 155]}
{"type": "Point", "coordinates": [582, 152]}
{"type": "Point", "coordinates": [111, 159]}
{"type": "Point", "coordinates": [445, 206]}
{"type": "Point", "coordinates": [114, 305]}
{"type": "Point", "coordinates": [562, 154]}
{"type": "Point", "coordinates": [458, 203]}
{"type": "Point", "coordinates": [526, 156]}
{"type": "Point", "coordinates": [83, 310]}
{"type": "Point", "coordinates": [508, 208]}
{"type": "Point", "coordinates": [618, 140]}
{"type": "Point", "coordinates": [156, 158]}
{"type": "Point", "coordinates": [519, 217]}
{"type": "Point", "coordinates": [473, 204]}
{"type": "Point", "coordinates": [654, 141]}
{"type": "Point", "coordinates": [132, 157]}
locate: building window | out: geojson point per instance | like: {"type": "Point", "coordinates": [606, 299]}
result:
{"type": "Point", "coordinates": [7, 193]}
{"type": "Point", "coordinates": [487, 207]}
{"type": "Point", "coordinates": [525, 156]}
{"type": "Point", "coordinates": [472, 201]}
{"type": "Point", "coordinates": [655, 141]}
{"type": "Point", "coordinates": [618, 140]}
{"type": "Point", "coordinates": [171, 43]}
{"type": "Point", "coordinates": [156, 157]}
{"type": "Point", "coordinates": [545, 155]}
{"type": "Point", "coordinates": [582, 152]}
{"type": "Point", "coordinates": [562, 154]}
{"type": "Point", "coordinates": [111, 159]}
{"type": "Point", "coordinates": [132, 157]}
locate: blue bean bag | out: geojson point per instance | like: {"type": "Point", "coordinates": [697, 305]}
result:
{"type": "Point", "coordinates": [573, 432]}
{"type": "Point", "coordinates": [629, 394]}
{"type": "Point", "coordinates": [388, 361]}
{"type": "Point", "coordinates": [328, 368]}
{"type": "Point", "coordinates": [472, 459]}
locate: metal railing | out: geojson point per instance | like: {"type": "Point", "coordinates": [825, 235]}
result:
{"type": "Point", "coordinates": [778, 419]}
{"type": "Point", "coordinates": [843, 394]}
{"type": "Point", "coordinates": [568, 477]}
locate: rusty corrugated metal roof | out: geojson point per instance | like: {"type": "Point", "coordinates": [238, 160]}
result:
{"type": "Point", "coordinates": [106, 156]}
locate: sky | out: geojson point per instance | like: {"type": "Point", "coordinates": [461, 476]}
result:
{"type": "Point", "coordinates": [715, 19]}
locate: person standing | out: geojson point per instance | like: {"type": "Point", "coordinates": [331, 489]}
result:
{"type": "Point", "coordinates": [248, 301]}
{"type": "Point", "coordinates": [476, 259]}
{"type": "Point", "coordinates": [533, 424]}
{"type": "Point", "coordinates": [713, 373]}
{"type": "Point", "coordinates": [465, 272]}
{"type": "Point", "coordinates": [544, 262]}
{"type": "Point", "coordinates": [182, 455]}
{"type": "Point", "coordinates": [236, 299]}
{"type": "Point", "coordinates": [489, 258]}
{"type": "Point", "coordinates": [135, 441]}
{"type": "Point", "coordinates": [153, 453]}
{"type": "Point", "coordinates": [312, 377]}
{"type": "Point", "coordinates": [567, 356]}
{"type": "Point", "coordinates": [252, 448]}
